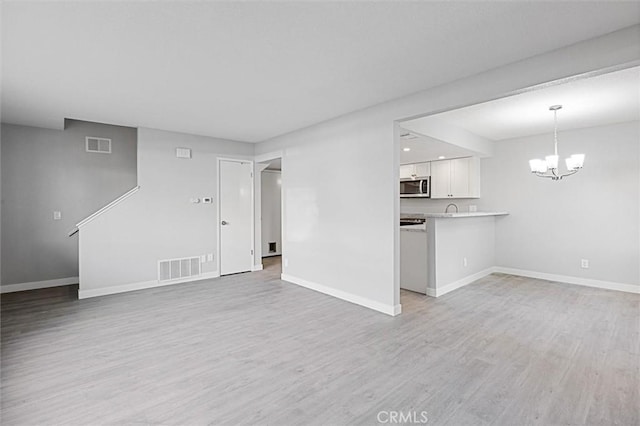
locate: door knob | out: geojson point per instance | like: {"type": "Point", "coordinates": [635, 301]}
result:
{"type": "Point", "coordinates": [224, 222]}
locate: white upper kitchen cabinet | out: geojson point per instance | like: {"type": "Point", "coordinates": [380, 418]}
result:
{"type": "Point", "coordinates": [456, 178]}
{"type": "Point", "coordinates": [415, 170]}
{"type": "Point", "coordinates": [423, 169]}
{"type": "Point", "coordinates": [440, 179]}
{"type": "Point", "coordinates": [407, 171]}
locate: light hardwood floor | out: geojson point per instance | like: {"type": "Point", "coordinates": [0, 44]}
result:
{"type": "Point", "coordinates": [251, 349]}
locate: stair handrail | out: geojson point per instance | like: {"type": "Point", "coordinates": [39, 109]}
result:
{"type": "Point", "coordinates": [104, 209]}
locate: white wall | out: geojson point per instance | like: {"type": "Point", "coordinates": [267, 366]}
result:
{"type": "Point", "coordinates": [332, 236]}
{"type": "Point", "coordinates": [271, 211]}
{"type": "Point", "coordinates": [341, 238]}
{"type": "Point", "coordinates": [121, 247]}
{"type": "Point", "coordinates": [453, 240]}
{"type": "Point", "coordinates": [592, 215]}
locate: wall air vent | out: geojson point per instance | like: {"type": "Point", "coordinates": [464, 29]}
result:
{"type": "Point", "coordinates": [176, 269]}
{"type": "Point", "coordinates": [98, 145]}
{"type": "Point", "coordinates": [183, 152]}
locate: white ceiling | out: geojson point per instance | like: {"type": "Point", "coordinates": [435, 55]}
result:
{"type": "Point", "coordinates": [596, 101]}
{"type": "Point", "coordinates": [275, 164]}
{"type": "Point", "coordinates": [252, 70]}
{"type": "Point", "coordinates": [425, 148]}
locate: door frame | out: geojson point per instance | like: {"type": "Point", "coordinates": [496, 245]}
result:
{"type": "Point", "coordinates": [260, 159]}
{"type": "Point", "coordinates": [253, 217]}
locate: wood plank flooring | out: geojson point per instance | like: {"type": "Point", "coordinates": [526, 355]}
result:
{"type": "Point", "coordinates": [251, 349]}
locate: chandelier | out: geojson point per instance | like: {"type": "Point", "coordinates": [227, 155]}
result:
{"type": "Point", "coordinates": [548, 167]}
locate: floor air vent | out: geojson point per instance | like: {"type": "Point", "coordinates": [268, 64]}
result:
{"type": "Point", "coordinates": [176, 269]}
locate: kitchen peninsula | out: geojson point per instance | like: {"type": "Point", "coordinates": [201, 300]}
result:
{"type": "Point", "coordinates": [448, 251]}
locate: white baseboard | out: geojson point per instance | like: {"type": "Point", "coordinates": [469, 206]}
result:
{"type": "Point", "coordinates": [459, 283]}
{"type": "Point", "coordinates": [349, 297]}
{"type": "Point", "coordinates": [608, 285]}
{"type": "Point", "coordinates": [34, 285]}
{"type": "Point", "coordinates": [255, 268]}
{"type": "Point", "coordinates": [95, 292]}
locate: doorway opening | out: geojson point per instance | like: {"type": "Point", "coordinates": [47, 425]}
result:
{"type": "Point", "coordinates": [501, 136]}
{"type": "Point", "coordinates": [270, 213]}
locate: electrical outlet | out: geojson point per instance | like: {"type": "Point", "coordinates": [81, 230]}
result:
{"type": "Point", "coordinates": [210, 257]}
{"type": "Point", "coordinates": [286, 262]}
{"type": "Point", "coordinates": [464, 261]}
{"type": "Point", "coordinates": [203, 258]}
{"type": "Point", "coordinates": [584, 263]}
{"type": "Point", "coordinates": [57, 215]}
{"type": "Point", "coordinates": [473, 208]}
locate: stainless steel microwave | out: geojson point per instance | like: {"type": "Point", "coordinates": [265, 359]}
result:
{"type": "Point", "coordinates": [410, 188]}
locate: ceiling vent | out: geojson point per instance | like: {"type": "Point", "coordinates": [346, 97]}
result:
{"type": "Point", "coordinates": [98, 145]}
{"type": "Point", "coordinates": [408, 136]}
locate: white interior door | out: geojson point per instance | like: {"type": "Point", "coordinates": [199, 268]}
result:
{"type": "Point", "coordinates": [236, 217]}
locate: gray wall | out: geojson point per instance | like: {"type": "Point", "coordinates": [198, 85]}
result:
{"type": "Point", "coordinates": [471, 238]}
{"type": "Point", "coordinates": [553, 225]}
{"type": "Point", "coordinates": [592, 215]}
{"type": "Point", "coordinates": [357, 259]}
{"type": "Point", "coordinates": [122, 246]}
{"type": "Point", "coordinates": [46, 170]}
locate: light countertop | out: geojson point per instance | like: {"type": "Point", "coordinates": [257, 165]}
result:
{"type": "Point", "coordinates": [453, 215]}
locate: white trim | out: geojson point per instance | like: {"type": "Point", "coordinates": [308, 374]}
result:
{"type": "Point", "coordinates": [397, 310]}
{"type": "Point", "coordinates": [565, 279]}
{"type": "Point", "coordinates": [437, 292]}
{"type": "Point", "coordinates": [95, 292]}
{"type": "Point", "coordinates": [255, 268]}
{"type": "Point", "coordinates": [108, 206]}
{"type": "Point", "coordinates": [392, 310]}
{"type": "Point", "coordinates": [261, 159]}
{"type": "Point", "coordinates": [268, 156]}
{"type": "Point", "coordinates": [34, 285]}
{"type": "Point", "coordinates": [587, 282]}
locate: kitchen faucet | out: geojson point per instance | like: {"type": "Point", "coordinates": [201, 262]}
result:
{"type": "Point", "coordinates": [446, 210]}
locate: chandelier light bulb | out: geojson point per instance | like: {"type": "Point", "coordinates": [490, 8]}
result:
{"type": "Point", "coordinates": [549, 166]}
